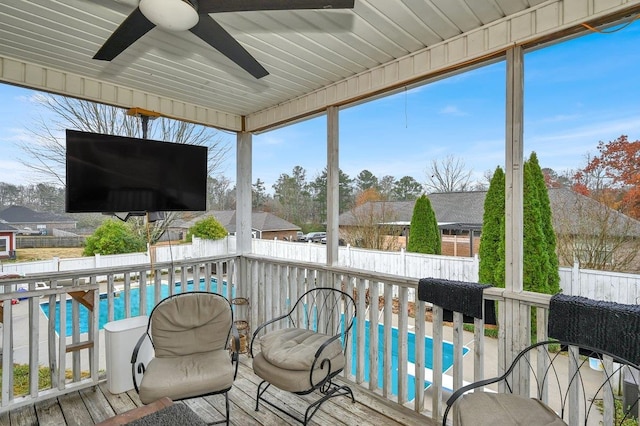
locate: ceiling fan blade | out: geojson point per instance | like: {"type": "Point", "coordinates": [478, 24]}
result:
{"type": "Point", "coordinates": [213, 6]}
{"type": "Point", "coordinates": [216, 36]}
{"type": "Point", "coordinates": [135, 26]}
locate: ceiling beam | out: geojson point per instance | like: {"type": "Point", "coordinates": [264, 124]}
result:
{"type": "Point", "coordinates": [37, 77]}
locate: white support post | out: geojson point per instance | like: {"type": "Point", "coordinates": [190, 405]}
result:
{"type": "Point", "coordinates": [243, 193]}
{"type": "Point", "coordinates": [514, 199]}
{"type": "Point", "coordinates": [243, 210]}
{"type": "Point", "coordinates": [333, 185]}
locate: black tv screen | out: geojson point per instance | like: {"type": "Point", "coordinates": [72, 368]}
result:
{"type": "Point", "coordinates": [107, 174]}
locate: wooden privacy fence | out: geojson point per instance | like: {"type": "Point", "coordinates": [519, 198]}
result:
{"type": "Point", "coordinates": [49, 242]}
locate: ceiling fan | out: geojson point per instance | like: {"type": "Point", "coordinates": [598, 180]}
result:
{"type": "Point", "coordinates": [193, 15]}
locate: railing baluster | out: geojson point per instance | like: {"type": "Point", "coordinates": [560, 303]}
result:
{"type": "Point", "coordinates": [75, 332]}
{"type": "Point", "coordinates": [62, 346]}
{"type": "Point", "coordinates": [127, 295]}
{"type": "Point", "coordinates": [110, 291]}
{"type": "Point", "coordinates": [420, 326]}
{"type": "Point", "coordinates": [94, 349]}
{"type": "Point", "coordinates": [436, 394]}
{"type": "Point", "coordinates": [388, 342]}
{"type": "Point", "coordinates": [542, 358]}
{"type": "Point", "coordinates": [575, 386]}
{"type": "Point", "coordinates": [458, 343]}
{"type": "Point", "coordinates": [403, 333]}
{"type": "Point", "coordinates": [360, 332]}
{"type": "Point", "coordinates": [348, 287]}
{"type": "Point", "coordinates": [34, 346]}
{"type": "Point", "coordinates": [51, 332]}
{"type": "Point", "coordinates": [373, 335]}
{"type": "Point", "coordinates": [157, 285]}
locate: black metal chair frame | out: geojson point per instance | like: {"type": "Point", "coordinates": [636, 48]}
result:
{"type": "Point", "coordinates": [327, 302]}
{"type": "Point", "coordinates": [550, 377]}
{"type": "Point", "coordinates": [234, 348]}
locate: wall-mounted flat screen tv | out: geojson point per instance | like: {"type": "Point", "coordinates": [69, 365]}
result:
{"type": "Point", "coordinates": [109, 174]}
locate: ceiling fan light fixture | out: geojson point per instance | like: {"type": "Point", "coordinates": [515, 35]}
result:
{"type": "Point", "coordinates": [172, 15]}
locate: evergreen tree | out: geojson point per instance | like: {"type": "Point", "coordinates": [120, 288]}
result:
{"type": "Point", "coordinates": [434, 231]}
{"type": "Point", "coordinates": [535, 256]}
{"type": "Point", "coordinates": [318, 190]}
{"type": "Point", "coordinates": [492, 237]}
{"type": "Point", "coordinates": [424, 235]}
{"type": "Point", "coordinates": [553, 275]}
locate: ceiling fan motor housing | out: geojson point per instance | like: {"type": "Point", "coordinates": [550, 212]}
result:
{"type": "Point", "coordinates": [172, 15]}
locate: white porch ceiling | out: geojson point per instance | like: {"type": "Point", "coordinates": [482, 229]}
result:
{"type": "Point", "coordinates": [316, 58]}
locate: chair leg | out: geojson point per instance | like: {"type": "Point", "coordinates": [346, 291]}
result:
{"type": "Point", "coordinates": [228, 412]}
{"type": "Point", "coordinates": [226, 403]}
{"type": "Point", "coordinates": [328, 394]}
{"type": "Point", "coordinates": [259, 393]}
{"type": "Point", "coordinates": [329, 390]}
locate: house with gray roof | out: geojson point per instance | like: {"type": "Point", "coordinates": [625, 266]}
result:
{"type": "Point", "coordinates": [29, 221]}
{"type": "Point", "coordinates": [264, 225]}
{"type": "Point", "coordinates": [460, 214]}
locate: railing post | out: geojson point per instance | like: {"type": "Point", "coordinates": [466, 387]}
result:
{"type": "Point", "coordinates": [575, 278]}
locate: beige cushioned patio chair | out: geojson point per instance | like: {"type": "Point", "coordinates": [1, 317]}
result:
{"type": "Point", "coordinates": [190, 333]}
{"type": "Point", "coordinates": [304, 349]}
{"type": "Point", "coordinates": [585, 329]}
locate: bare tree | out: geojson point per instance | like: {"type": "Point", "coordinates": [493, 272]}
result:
{"type": "Point", "coordinates": [596, 236]}
{"type": "Point", "coordinates": [448, 175]}
{"type": "Point", "coordinates": [370, 224]}
{"type": "Point", "coordinates": [45, 153]}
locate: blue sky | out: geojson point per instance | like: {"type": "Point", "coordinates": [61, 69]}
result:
{"type": "Point", "coordinates": [577, 93]}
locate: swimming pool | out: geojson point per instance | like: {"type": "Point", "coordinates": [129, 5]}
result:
{"type": "Point", "coordinates": [118, 305]}
{"type": "Point", "coordinates": [447, 357]}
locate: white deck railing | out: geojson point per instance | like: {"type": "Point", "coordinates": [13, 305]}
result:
{"type": "Point", "coordinates": [390, 301]}
{"type": "Point", "coordinates": [73, 348]}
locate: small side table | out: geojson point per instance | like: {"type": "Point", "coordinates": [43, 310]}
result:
{"type": "Point", "coordinates": [241, 314]}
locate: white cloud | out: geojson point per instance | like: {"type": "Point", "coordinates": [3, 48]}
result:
{"type": "Point", "coordinates": [452, 110]}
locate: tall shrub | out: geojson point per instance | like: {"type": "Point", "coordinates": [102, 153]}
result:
{"type": "Point", "coordinates": [208, 229]}
{"type": "Point", "coordinates": [114, 237]}
{"type": "Point", "coordinates": [424, 234]}
{"type": "Point", "coordinates": [546, 219]}
{"type": "Point", "coordinates": [491, 239]}
{"type": "Point", "coordinates": [535, 256]}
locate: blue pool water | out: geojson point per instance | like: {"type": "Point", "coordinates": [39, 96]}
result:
{"type": "Point", "coordinates": [118, 305]}
{"type": "Point", "coordinates": [447, 357]}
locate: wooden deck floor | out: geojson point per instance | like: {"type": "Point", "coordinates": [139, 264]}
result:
{"type": "Point", "coordinates": [93, 405]}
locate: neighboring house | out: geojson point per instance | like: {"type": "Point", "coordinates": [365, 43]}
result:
{"type": "Point", "coordinates": [263, 225]}
{"type": "Point", "coordinates": [459, 216]}
{"type": "Point", "coordinates": [7, 241]}
{"type": "Point", "coordinates": [30, 222]}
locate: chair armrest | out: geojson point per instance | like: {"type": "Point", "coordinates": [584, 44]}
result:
{"type": "Point", "coordinates": [134, 360]}
{"type": "Point", "coordinates": [261, 327]}
{"type": "Point", "coordinates": [325, 344]}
